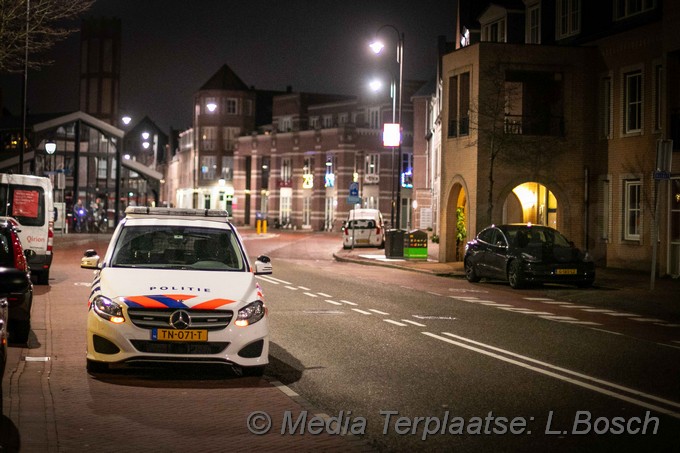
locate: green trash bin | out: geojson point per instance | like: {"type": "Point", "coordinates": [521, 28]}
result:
{"type": "Point", "coordinates": [415, 245]}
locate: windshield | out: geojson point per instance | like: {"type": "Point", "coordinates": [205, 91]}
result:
{"type": "Point", "coordinates": [178, 247]}
{"type": "Point", "coordinates": [535, 236]}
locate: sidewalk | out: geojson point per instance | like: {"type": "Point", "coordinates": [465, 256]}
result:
{"type": "Point", "coordinates": [622, 289]}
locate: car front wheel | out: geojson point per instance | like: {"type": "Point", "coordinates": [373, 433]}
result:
{"type": "Point", "coordinates": [470, 273]}
{"type": "Point", "coordinates": [95, 367]}
{"type": "Point", "coordinates": [515, 277]}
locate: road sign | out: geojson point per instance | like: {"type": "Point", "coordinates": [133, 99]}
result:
{"type": "Point", "coordinates": [354, 189]}
{"type": "Point", "coordinates": [353, 200]}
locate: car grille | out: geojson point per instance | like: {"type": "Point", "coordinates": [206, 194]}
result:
{"type": "Point", "coordinates": [167, 347]}
{"type": "Point", "coordinates": [200, 319]}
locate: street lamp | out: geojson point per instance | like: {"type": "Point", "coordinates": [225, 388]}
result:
{"type": "Point", "coordinates": [377, 46]}
{"type": "Point", "coordinates": [126, 119]}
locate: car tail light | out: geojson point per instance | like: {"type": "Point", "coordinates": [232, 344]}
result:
{"type": "Point", "coordinates": [377, 230]}
{"type": "Point", "coordinates": [50, 238]}
{"type": "Point", "coordinates": [19, 258]}
{"type": "Point", "coordinates": [346, 231]}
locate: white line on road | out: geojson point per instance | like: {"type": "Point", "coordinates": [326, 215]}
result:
{"type": "Point", "coordinates": [400, 324]}
{"type": "Point", "coordinates": [665, 324]}
{"type": "Point", "coordinates": [566, 304]}
{"type": "Point", "coordinates": [630, 315]}
{"type": "Point", "coordinates": [598, 310]}
{"type": "Point", "coordinates": [378, 311]}
{"type": "Point", "coordinates": [363, 312]}
{"type": "Point", "coordinates": [647, 319]}
{"type": "Point", "coordinates": [303, 288]}
{"type": "Point", "coordinates": [324, 295]}
{"type": "Point", "coordinates": [274, 280]}
{"type": "Point", "coordinates": [468, 345]}
{"type": "Point", "coordinates": [538, 298]}
{"type": "Point", "coordinates": [609, 331]}
{"type": "Point", "coordinates": [310, 294]}
{"type": "Point", "coordinates": [291, 287]}
{"type": "Point", "coordinates": [559, 318]}
{"type": "Point", "coordinates": [433, 293]}
{"type": "Point", "coordinates": [347, 302]}
{"type": "Point", "coordinates": [414, 323]}
{"type": "Point", "coordinates": [584, 323]}
{"type": "Point", "coordinates": [333, 302]}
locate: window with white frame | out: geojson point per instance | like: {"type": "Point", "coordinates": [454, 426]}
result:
{"type": "Point", "coordinates": [231, 106]}
{"type": "Point", "coordinates": [374, 118]}
{"type": "Point", "coordinates": [208, 167]}
{"type": "Point", "coordinates": [328, 121]}
{"type": "Point", "coordinates": [534, 24]}
{"type": "Point", "coordinates": [568, 18]}
{"type": "Point", "coordinates": [343, 118]}
{"type": "Point", "coordinates": [372, 164]}
{"type": "Point", "coordinates": [627, 8]}
{"type": "Point", "coordinates": [208, 138]}
{"type": "Point", "coordinates": [632, 83]}
{"type": "Point", "coordinates": [229, 135]}
{"type": "Point", "coordinates": [285, 124]}
{"type": "Point", "coordinates": [227, 168]}
{"type": "Point", "coordinates": [632, 205]}
{"type": "Point", "coordinates": [606, 107]}
{"type": "Point", "coordinates": [314, 122]}
{"type": "Point", "coordinates": [286, 169]}
{"type": "Point", "coordinates": [495, 31]}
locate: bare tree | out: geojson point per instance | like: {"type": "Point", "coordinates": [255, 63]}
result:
{"type": "Point", "coordinates": [32, 27]}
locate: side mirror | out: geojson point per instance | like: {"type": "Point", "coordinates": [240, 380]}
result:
{"type": "Point", "coordinates": [263, 265]}
{"type": "Point", "coordinates": [90, 260]}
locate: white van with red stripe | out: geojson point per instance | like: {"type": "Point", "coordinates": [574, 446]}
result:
{"type": "Point", "coordinates": [176, 285]}
{"type": "Point", "coordinates": [27, 202]}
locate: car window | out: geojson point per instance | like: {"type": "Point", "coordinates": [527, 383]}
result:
{"type": "Point", "coordinates": [487, 235]}
{"type": "Point", "coordinates": [362, 223]}
{"type": "Point", "coordinates": [173, 247]}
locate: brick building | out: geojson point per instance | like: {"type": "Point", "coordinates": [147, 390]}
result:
{"type": "Point", "coordinates": [551, 114]}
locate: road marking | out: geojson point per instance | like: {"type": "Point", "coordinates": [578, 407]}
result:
{"type": "Point", "coordinates": [578, 306]}
{"type": "Point", "coordinates": [669, 345]}
{"type": "Point", "coordinates": [630, 315]}
{"type": "Point", "coordinates": [647, 319]}
{"type": "Point", "coordinates": [449, 318]}
{"type": "Point", "coordinates": [584, 323]}
{"type": "Point", "coordinates": [310, 294]}
{"type": "Point", "coordinates": [541, 299]}
{"type": "Point", "coordinates": [332, 302]}
{"type": "Point", "coordinates": [516, 309]}
{"type": "Point", "coordinates": [400, 324]}
{"type": "Point", "coordinates": [324, 295]}
{"type": "Point", "coordinates": [363, 312]}
{"type": "Point", "coordinates": [433, 293]}
{"type": "Point", "coordinates": [37, 359]}
{"type": "Point", "coordinates": [284, 388]}
{"type": "Point", "coordinates": [467, 344]}
{"type": "Point", "coordinates": [414, 323]}
{"type": "Point", "coordinates": [466, 298]}
{"type": "Point", "coordinates": [82, 284]}
{"type": "Point", "coordinates": [559, 318]}
{"type": "Point", "coordinates": [495, 304]}
{"type": "Point", "coordinates": [598, 310]}
{"type": "Point", "coordinates": [347, 302]}
{"type": "Point", "coordinates": [665, 324]}
{"type": "Point", "coordinates": [274, 280]}
{"type": "Point", "coordinates": [609, 331]}
{"type": "Point", "coordinates": [464, 290]}
{"type": "Point", "coordinates": [378, 311]}
{"type": "Point", "coordinates": [566, 304]}
{"type": "Point", "coordinates": [291, 287]}
{"type": "Point", "coordinates": [303, 288]}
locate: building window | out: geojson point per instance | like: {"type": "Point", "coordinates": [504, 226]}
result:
{"type": "Point", "coordinates": [328, 121]}
{"type": "Point", "coordinates": [374, 118]}
{"type": "Point", "coordinates": [633, 102]}
{"type": "Point", "coordinates": [626, 8]}
{"type": "Point", "coordinates": [286, 170]}
{"type": "Point", "coordinates": [568, 18]}
{"type": "Point", "coordinates": [229, 135]}
{"type": "Point", "coordinates": [606, 107]}
{"type": "Point", "coordinates": [494, 32]}
{"type": "Point", "coordinates": [534, 24]}
{"type": "Point", "coordinates": [632, 210]}
{"type": "Point", "coordinates": [285, 124]}
{"type": "Point", "coordinates": [208, 138]}
{"type": "Point", "coordinates": [231, 106]}
{"type": "Point", "coordinates": [343, 118]}
{"type": "Point", "coordinates": [208, 167]}
{"type": "Point", "coordinates": [459, 105]}
{"type": "Point", "coordinates": [314, 122]}
{"type": "Point", "coordinates": [266, 170]}
{"type": "Point", "coordinates": [227, 168]}
{"type": "Point", "coordinates": [606, 206]}
{"type": "Point", "coordinates": [372, 164]}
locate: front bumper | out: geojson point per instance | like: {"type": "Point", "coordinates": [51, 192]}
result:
{"type": "Point", "coordinates": [127, 343]}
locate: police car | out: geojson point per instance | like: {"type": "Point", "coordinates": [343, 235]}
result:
{"type": "Point", "coordinates": [176, 285]}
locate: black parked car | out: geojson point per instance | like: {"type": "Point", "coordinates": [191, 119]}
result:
{"type": "Point", "coordinates": [522, 254]}
{"type": "Point", "coordinates": [15, 282]}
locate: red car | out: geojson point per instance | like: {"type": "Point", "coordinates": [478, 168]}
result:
{"type": "Point", "coordinates": [16, 287]}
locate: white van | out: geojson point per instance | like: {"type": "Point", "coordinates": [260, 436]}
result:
{"type": "Point", "coordinates": [27, 202]}
{"type": "Point", "coordinates": [363, 228]}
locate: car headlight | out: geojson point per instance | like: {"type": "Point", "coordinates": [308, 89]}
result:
{"type": "Point", "coordinates": [530, 258]}
{"type": "Point", "coordinates": [250, 314]}
{"type": "Point", "coordinates": [108, 309]}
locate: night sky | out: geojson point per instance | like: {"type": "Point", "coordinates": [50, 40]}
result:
{"type": "Point", "coordinates": [172, 47]}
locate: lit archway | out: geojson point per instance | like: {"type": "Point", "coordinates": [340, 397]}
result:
{"type": "Point", "coordinates": [531, 202]}
{"type": "Point", "coordinates": [456, 224]}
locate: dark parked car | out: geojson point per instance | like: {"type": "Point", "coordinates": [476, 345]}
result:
{"type": "Point", "coordinates": [15, 282]}
{"type": "Point", "coordinates": [522, 254]}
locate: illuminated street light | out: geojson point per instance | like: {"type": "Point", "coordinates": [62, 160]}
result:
{"type": "Point", "coordinates": [377, 46]}
{"type": "Point", "coordinates": [50, 147]}
{"type": "Point", "coordinates": [211, 107]}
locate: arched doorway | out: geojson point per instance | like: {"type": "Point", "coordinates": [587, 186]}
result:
{"type": "Point", "coordinates": [456, 223]}
{"type": "Point", "coordinates": [531, 202]}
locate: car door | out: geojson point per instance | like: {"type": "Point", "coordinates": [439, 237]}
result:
{"type": "Point", "coordinates": [481, 256]}
{"type": "Point", "coordinates": [496, 254]}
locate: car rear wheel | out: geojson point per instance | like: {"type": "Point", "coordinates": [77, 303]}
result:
{"type": "Point", "coordinates": [515, 277]}
{"type": "Point", "coordinates": [470, 273]}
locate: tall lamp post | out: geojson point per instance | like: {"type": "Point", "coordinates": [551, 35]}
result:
{"type": "Point", "coordinates": [119, 153]}
{"type": "Point", "coordinates": [377, 46]}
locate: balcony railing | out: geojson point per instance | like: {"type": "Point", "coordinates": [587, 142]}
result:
{"type": "Point", "coordinates": [534, 125]}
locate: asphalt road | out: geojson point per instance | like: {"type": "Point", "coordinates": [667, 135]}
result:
{"type": "Point", "coordinates": [406, 361]}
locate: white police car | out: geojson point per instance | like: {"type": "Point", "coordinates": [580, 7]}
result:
{"type": "Point", "coordinates": [176, 285]}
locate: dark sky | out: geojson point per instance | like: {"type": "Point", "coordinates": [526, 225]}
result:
{"type": "Point", "coordinates": [172, 47]}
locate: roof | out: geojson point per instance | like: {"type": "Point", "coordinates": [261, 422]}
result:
{"type": "Point", "coordinates": [225, 79]}
{"type": "Point", "coordinates": [81, 116]}
{"type": "Point", "coordinates": [142, 169]}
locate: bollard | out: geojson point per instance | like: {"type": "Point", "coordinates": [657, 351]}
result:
{"type": "Point", "coordinates": [258, 225]}
{"type": "Point", "coordinates": [264, 226]}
